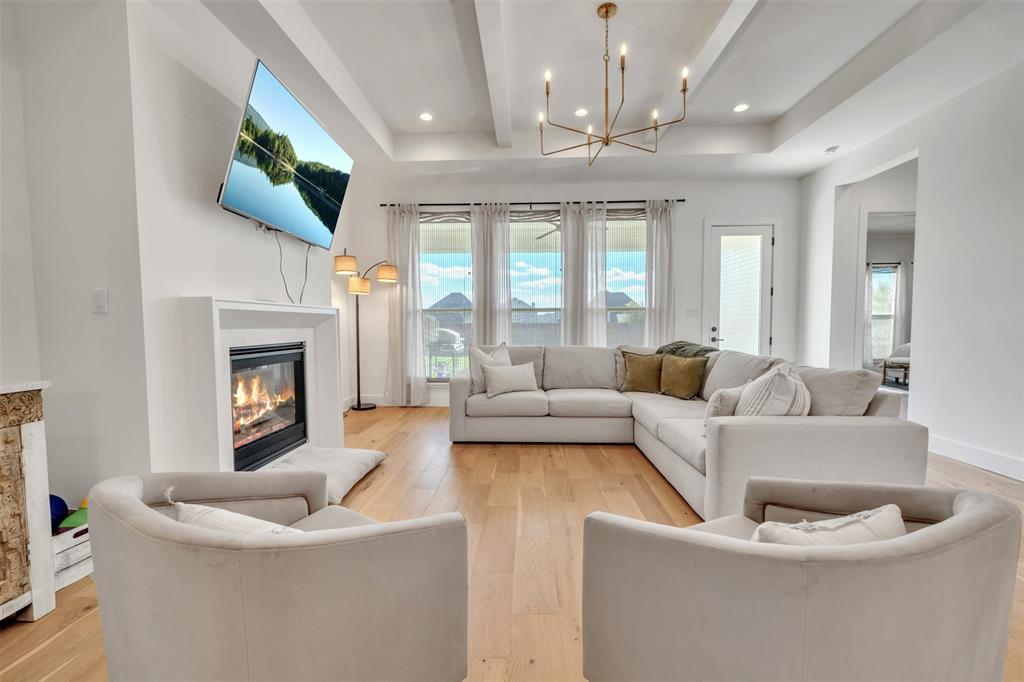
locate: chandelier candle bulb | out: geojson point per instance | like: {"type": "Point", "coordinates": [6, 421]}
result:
{"type": "Point", "coordinates": [622, 56]}
{"type": "Point", "coordinates": [686, 74]}
{"type": "Point", "coordinates": [654, 116]}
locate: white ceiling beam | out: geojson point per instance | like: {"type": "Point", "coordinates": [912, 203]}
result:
{"type": "Point", "coordinates": [492, 43]}
{"type": "Point", "coordinates": [725, 30]}
{"type": "Point", "coordinates": [280, 33]}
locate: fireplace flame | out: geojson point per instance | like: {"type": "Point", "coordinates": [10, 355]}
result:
{"type": "Point", "coordinates": [253, 403]}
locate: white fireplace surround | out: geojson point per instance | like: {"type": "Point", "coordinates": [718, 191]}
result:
{"type": "Point", "coordinates": [213, 327]}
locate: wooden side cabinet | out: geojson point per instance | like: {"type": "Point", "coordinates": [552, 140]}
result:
{"type": "Point", "coordinates": [26, 546]}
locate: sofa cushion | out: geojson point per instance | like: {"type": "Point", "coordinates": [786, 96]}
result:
{"type": "Point", "coordinates": [685, 437]}
{"type": "Point", "coordinates": [620, 361]}
{"type": "Point", "coordinates": [330, 517]}
{"type": "Point", "coordinates": [651, 408]}
{"type": "Point", "coordinates": [723, 403]}
{"type": "Point", "coordinates": [730, 368]}
{"type": "Point", "coordinates": [780, 392]}
{"type": "Point", "coordinates": [519, 404]}
{"type": "Point", "coordinates": [883, 523]}
{"type": "Point", "coordinates": [588, 402]}
{"type": "Point", "coordinates": [682, 377]}
{"type": "Point", "coordinates": [478, 358]}
{"type": "Point", "coordinates": [643, 373]}
{"type": "Point", "coordinates": [579, 367]}
{"type": "Point", "coordinates": [226, 521]}
{"type": "Point", "coordinates": [840, 392]}
{"type": "Point", "coordinates": [732, 526]}
{"type": "Point", "coordinates": [520, 355]}
{"type": "Point", "coordinates": [509, 379]}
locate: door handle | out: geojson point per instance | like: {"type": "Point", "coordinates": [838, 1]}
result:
{"type": "Point", "coordinates": [715, 339]}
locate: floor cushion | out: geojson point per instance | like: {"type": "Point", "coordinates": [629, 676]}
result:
{"type": "Point", "coordinates": [734, 526]}
{"type": "Point", "coordinates": [588, 402]}
{"type": "Point", "coordinates": [685, 437]}
{"type": "Point", "coordinates": [651, 408]}
{"type": "Point", "coordinates": [343, 466]}
{"type": "Point", "coordinates": [331, 517]}
{"type": "Point", "coordinates": [518, 404]}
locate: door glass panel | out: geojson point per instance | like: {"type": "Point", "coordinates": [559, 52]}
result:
{"type": "Point", "coordinates": [739, 320]}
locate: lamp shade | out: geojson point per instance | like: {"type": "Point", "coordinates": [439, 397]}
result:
{"type": "Point", "coordinates": [359, 286]}
{"type": "Point", "coordinates": [387, 273]}
{"type": "Point", "coordinates": [346, 265]}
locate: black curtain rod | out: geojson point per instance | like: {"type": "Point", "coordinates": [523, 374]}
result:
{"type": "Point", "coordinates": [529, 203]}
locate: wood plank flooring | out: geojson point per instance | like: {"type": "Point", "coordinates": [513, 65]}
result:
{"type": "Point", "coordinates": [525, 506]}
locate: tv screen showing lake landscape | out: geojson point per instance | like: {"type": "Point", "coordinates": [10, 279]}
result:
{"type": "Point", "coordinates": [286, 171]}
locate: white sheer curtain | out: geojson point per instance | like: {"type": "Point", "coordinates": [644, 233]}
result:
{"type": "Point", "coordinates": [584, 258]}
{"type": "Point", "coordinates": [660, 313]}
{"type": "Point", "coordinates": [492, 293]}
{"type": "Point", "coordinates": [900, 317]}
{"type": "Point", "coordinates": [868, 359]}
{"type": "Point", "coordinates": [406, 382]}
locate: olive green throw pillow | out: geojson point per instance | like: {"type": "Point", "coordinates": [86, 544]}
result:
{"type": "Point", "coordinates": [643, 373]}
{"type": "Point", "coordinates": [682, 377]}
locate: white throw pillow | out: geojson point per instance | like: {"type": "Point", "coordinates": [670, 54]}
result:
{"type": "Point", "coordinates": [723, 402]}
{"type": "Point", "coordinates": [214, 518]}
{"type": "Point", "coordinates": [508, 379]}
{"type": "Point", "coordinates": [884, 523]}
{"type": "Point", "coordinates": [478, 359]}
{"type": "Point", "coordinates": [779, 392]}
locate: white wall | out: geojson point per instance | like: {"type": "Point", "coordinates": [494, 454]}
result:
{"type": "Point", "coordinates": [969, 296]}
{"type": "Point", "coordinates": [81, 192]}
{"type": "Point", "coordinates": [190, 78]}
{"type": "Point", "coordinates": [19, 343]}
{"type": "Point", "coordinates": [365, 234]}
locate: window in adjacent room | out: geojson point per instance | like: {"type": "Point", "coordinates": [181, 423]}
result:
{"type": "Point", "coordinates": [446, 290]}
{"type": "Point", "coordinates": [883, 309]}
{"type": "Point", "coordinates": [535, 274]}
{"type": "Point", "coordinates": [626, 276]}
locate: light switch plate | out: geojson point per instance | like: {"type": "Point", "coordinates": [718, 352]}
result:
{"type": "Point", "coordinates": [100, 304]}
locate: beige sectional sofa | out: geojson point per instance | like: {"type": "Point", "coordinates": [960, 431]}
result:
{"type": "Point", "coordinates": [855, 431]}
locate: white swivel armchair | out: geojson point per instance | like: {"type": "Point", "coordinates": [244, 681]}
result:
{"type": "Point", "coordinates": [351, 599]}
{"type": "Point", "coordinates": [664, 603]}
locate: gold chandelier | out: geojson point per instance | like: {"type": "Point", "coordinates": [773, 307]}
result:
{"type": "Point", "coordinates": [606, 11]}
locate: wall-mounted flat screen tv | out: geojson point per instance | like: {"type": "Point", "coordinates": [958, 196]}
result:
{"type": "Point", "coordinates": [286, 171]}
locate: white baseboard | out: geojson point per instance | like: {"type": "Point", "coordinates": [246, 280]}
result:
{"type": "Point", "coordinates": [985, 459]}
{"type": "Point", "coordinates": [438, 397]}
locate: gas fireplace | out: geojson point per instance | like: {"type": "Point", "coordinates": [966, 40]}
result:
{"type": "Point", "coordinates": [268, 402]}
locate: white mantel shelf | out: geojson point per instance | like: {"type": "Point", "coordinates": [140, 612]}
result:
{"type": "Point", "coordinates": [21, 388]}
{"type": "Point", "coordinates": [212, 327]}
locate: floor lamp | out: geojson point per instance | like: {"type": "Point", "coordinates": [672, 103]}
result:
{"type": "Point", "coordinates": [359, 285]}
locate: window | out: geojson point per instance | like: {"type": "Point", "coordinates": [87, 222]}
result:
{"type": "Point", "coordinates": [535, 274]}
{"type": "Point", "coordinates": [626, 276]}
{"type": "Point", "coordinates": [446, 291]}
{"type": "Point", "coordinates": [883, 309]}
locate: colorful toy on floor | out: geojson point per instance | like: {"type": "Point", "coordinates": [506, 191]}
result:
{"type": "Point", "coordinates": [77, 518]}
{"type": "Point", "coordinates": [58, 512]}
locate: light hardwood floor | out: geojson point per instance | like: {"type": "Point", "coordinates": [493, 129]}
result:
{"type": "Point", "coordinates": [525, 506]}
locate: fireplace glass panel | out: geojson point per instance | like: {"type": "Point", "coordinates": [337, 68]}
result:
{"type": "Point", "coordinates": [263, 401]}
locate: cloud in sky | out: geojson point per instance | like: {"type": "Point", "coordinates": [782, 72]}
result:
{"type": "Point", "coordinates": [432, 274]}
{"type": "Point", "coordinates": [616, 274]}
{"type": "Point", "coordinates": [522, 269]}
{"type": "Point", "coordinates": [542, 283]}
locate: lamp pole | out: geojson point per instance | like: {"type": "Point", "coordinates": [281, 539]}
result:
{"type": "Point", "coordinates": [360, 405]}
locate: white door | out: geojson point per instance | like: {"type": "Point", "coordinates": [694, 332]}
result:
{"type": "Point", "coordinates": [738, 287]}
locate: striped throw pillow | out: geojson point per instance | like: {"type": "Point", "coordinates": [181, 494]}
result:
{"type": "Point", "coordinates": [779, 392]}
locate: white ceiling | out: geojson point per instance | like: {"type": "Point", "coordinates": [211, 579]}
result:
{"type": "Point", "coordinates": [814, 72]}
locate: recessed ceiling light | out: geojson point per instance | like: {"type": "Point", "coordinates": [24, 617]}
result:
{"type": "Point", "coordinates": [740, 108]}
{"type": "Point", "coordinates": [581, 112]}
{"type": "Point", "coordinates": [425, 116]}
{"type": "Point", "coordinates": [832, 150]}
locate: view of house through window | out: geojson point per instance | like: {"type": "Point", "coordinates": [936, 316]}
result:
{"type": "Point", "coordinates": [535, 275]}
{"type": "Point", "coordinates": [883, 309]}
{"type": "Point", "coordinates": [446, 290]}
{"type": "Point", "coordinates": [626, 276]}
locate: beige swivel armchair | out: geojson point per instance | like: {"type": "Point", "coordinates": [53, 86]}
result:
{"type": "Point", "coordinates": [351, 599]}
{"type": "Point", "coordinates": [664, 603]}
